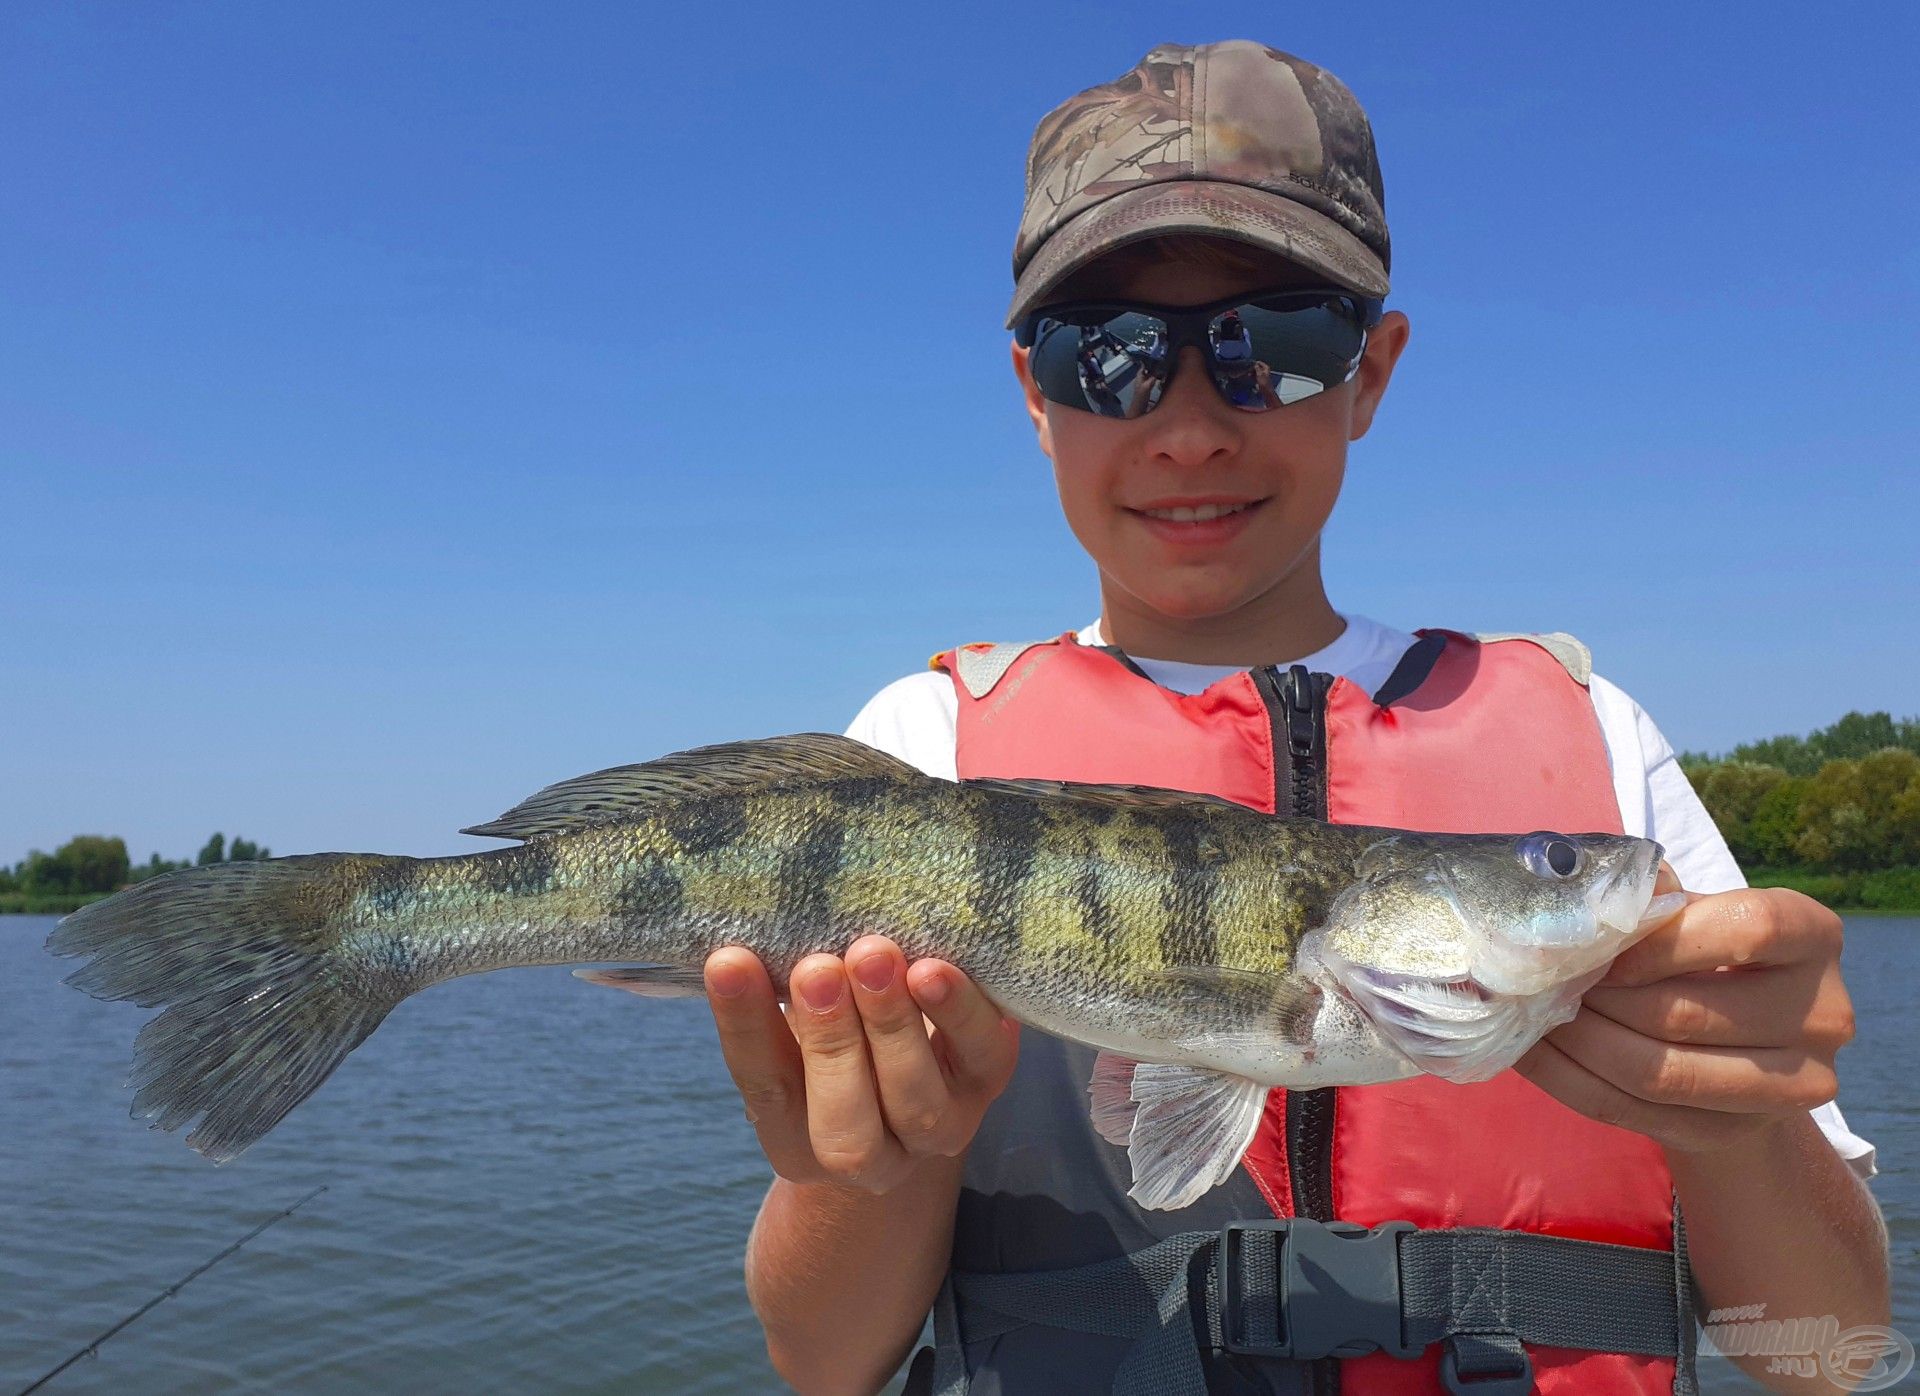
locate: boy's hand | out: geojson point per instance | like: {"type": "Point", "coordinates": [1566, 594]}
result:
{"type": "Point", "coordinates": [852, 1085]}
{"type": "Point", "coordinates": [1719, 1024]}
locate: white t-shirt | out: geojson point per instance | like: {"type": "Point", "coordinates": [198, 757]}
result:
{"type": "Point", "coordinates": [914, 719]}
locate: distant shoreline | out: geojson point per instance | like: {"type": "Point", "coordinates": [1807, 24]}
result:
{"type": "Point", "coordinates": [1894, 891]}
{"type": "Point", "coordinates": [48, 906]}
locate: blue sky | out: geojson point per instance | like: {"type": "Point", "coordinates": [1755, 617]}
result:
{"type": "Point", "coordinates": [403, 407]}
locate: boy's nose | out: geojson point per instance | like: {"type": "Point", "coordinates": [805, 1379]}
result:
{"type": "Point", "coordinates": [1192, 423]}
{"type": "Point", "coordinates": [1192, 385]}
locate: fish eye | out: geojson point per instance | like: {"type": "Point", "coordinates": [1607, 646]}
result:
{"type": "Point", "coordinates": [1549, 855]}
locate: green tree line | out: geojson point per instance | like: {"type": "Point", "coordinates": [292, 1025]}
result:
{"type": "Point", "coordinates": [1835, 813]}
{"type": "Point", "coordinates": [91, 866]}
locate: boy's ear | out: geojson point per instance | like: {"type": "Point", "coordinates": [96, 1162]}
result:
{"type": "Point", "coordinates": [1036, 404]}
{"type": "Point", "coordinates": [1384, 346]}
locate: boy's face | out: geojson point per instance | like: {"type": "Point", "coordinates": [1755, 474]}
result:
{"type": "Point", "coordinates": [1280, 470]}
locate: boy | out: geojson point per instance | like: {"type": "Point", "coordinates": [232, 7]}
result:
{"type": "Point", "coordinates": [1198, 457]}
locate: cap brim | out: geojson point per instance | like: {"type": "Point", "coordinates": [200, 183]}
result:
{"type": "Point", "coordinates": [1211, 208]}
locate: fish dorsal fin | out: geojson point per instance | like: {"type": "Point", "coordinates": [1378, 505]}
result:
{"type": "Point", "coordinates": [1105, 796]}
{"type": "Point", "coordinates": [627, 792]}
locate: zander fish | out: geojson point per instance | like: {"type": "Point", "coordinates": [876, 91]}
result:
{"type": "Point", "coordinates": [1211, 952]}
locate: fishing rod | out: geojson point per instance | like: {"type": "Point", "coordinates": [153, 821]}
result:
{"type": "Point", "coordinates": [92, 1349]}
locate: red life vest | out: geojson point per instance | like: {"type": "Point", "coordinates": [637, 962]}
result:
{"type": "Point", "coordinates": [1497, 737]}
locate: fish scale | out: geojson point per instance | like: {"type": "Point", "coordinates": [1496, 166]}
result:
{"type": "Point", "coordinates": [1230, 950]}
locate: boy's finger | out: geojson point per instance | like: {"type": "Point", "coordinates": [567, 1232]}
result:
{"type": "Point", "coordinates": [1666, 880]}
{"type": "Point", "coordinates": [981, 1043]}
{"type": "Point", "coordinates": [1781, 1008]}
{"type": "Point", "coordinates": [1751, 927]}
{"type": "Point", "coordinates": [913, 1091]}
{"type": "Point", "coordinates": [849, 1137]}
{"type": "Point", "coordinates": [761, 1056]}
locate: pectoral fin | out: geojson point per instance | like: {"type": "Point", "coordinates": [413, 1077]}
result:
{"type": "Point", "coordinates": [1184, 1128]}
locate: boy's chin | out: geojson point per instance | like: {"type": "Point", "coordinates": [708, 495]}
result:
{"type": "Point", "coordinates": [1212, 600]}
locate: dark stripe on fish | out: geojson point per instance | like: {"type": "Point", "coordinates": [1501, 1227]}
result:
{"type": "Point", "coordinates": [652, 893]}
{"type": "Point", "coordinates": [1188, 935]}
{"type": "Point", "coordinates": [808, 871]}
{"type": "Point", "coordinates": [1098, 813]}
{"type": "Point", "coordinates": [701, 827]}
{"type": "Point", "coordinates": [526, 871]}
{"type": "Point", "coordinates": [859, 792]}
{"type": "Point", "coordinates": [1007, 833]}
{"type": "Point", "coordinates": [1095, 914]}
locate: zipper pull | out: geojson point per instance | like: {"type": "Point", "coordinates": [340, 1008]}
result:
{"type": "Point", "coordinates": [1298, 693]}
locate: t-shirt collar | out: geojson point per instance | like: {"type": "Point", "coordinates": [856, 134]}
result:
{"type": "Point", "coordinates": [1347, 649]}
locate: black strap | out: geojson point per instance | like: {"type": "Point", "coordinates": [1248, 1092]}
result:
{"type": "Point", "coordinates": [919, 1380]}
{"type": "Point", "coordinates": [1412, 670]}
{"type": "Point", "coordinates": [1126, 661]}
{"type": "Point", "coordinates": [1549, 1290]}
{"type": "Point", "coordinates": [1299, 1289]}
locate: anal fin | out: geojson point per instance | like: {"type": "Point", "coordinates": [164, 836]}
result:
{"type": "Point", "coordinates": [653, 981]}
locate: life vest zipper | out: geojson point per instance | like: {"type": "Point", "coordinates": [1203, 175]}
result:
{"type": "Point", "coordinates": [1297, 710]}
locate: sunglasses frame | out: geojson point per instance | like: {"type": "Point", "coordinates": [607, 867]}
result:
{"type": "Point", "coordinates": [1187, 324]}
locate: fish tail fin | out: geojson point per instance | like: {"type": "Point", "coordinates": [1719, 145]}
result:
{"type": "Point", "coordinates": [260, 1002]}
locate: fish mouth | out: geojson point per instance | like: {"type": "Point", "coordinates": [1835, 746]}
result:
{"type": "Point", "coordinates": [1568, 949]}
{"type": "Point", "coordinates": [1624, 903]}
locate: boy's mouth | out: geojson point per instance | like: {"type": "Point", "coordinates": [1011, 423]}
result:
{"type": "Point", "coordinates": [1197, 520]}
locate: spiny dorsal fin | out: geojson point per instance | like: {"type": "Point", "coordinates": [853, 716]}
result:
{"type": "Point", "coordinates": [626, 792]}
{"type": "Point", "coordinates": [1105, 796]}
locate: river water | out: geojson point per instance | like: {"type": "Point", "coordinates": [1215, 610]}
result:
{"type": "Point", "coordinates": [534, 1185]}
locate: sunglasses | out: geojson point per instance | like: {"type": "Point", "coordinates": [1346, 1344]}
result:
{"type": "Point", "coordinates": [1115, 358]}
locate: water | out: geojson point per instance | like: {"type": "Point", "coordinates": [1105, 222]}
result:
{"type": "Point", "coordinates": [536, 1185]}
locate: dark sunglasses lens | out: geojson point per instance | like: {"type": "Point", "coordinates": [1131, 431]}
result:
{"type": "Point", "coordinates": [1272, 354]}
{"type": "Point", "coordinates": [1113, 364]}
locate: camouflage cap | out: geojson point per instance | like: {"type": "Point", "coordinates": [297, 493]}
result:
{"type": "Point", "coordinates": [1233, 139]}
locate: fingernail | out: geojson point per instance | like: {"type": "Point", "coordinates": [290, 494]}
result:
{"type": "Point", "coordinates": [934, 991]}
{"type": "Point", "coordinates": [875, 973]}
{"type": "Point", "coordinates": [728, 981]}
{"type": "Point", "coordinates": [821, 990]}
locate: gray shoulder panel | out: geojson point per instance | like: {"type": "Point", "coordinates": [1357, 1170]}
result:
{"type": "Point", "coordinates": [1574, 657]}
{"type": "Point", "coordinates": [981, 669]}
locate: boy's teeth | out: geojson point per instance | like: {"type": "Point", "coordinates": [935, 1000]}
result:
{"type": "Point", "coordinates": [1198, 513]}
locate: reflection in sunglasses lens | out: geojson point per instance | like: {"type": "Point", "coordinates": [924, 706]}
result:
{"type": "Point", "coordinates": [1114, 367]}
{"type": "Point", "coordinates": [1117, 362]}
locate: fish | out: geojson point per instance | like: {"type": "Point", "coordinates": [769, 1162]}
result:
{"type": "Point", "coordinates": [1210, 952]}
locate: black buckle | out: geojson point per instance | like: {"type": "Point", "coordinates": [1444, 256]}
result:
{"type": "Point", "coordinates": [1336, 1290]}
